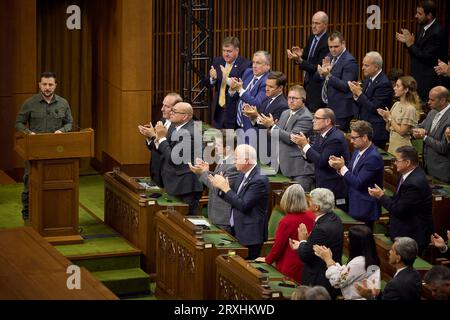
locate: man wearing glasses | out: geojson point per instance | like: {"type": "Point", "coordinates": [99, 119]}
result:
{"type": "Point", "coordinates": [410, 207]}
{"type": "Point", "coordinates": [364, 170]}
{"type": "Point", "coordinates": [329, 142]}
{"type": "Point", "coordinates": [296, 119]}
{"type": "Point", "coordinates": [178, 149]}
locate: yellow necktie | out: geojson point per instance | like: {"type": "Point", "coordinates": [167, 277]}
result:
{"type": "Point", "coordinates": [223, 85]}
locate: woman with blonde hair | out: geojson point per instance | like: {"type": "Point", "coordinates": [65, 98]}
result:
{"type": "Point", "coordinates": [287, 260]}
{"type": "Point", "coordinates": [404, 114]}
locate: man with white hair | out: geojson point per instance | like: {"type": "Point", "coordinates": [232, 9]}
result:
{"type": "Point", "coordinates": [375, 93]}
{"type": "Point", "coordinates": [327, 232]}
{"type": "Point", "coordinates": [248, 196]}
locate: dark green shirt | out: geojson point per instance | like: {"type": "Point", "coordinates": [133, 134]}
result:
{"type": "Point", "coordinates": [43, 117]}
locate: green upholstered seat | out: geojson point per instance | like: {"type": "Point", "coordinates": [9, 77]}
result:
{"type": "Point", "coordinates": [275, 218]}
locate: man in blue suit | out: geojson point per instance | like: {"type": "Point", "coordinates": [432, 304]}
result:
{"type": "Point", "coordinates": [338, 67]}
{"type": "Point", "coordinates": [410, 208]}
{"type": "Point", "coordinates": [329, 142]}
{"type": "Point", "coordinates": [229, 65]}
{"type": "Point", "coordinates": [248, 197]}
{"type": "Point", "coordinates": [376, 93]}
{"type": "Point", "coordinates": [364, 170]}
{"type": "Point", "coordinates": [251, 89]}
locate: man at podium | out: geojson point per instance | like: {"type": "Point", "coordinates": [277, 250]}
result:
{"type": "Point", "coordinates": [45, 112]}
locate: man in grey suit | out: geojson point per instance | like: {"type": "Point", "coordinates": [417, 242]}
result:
{"type": "Point", "coordinates": [295, 120]}
{"type": "Point", "coordinates": [436, 150]}
{"type": "Point", "coordinates": [219, 211]}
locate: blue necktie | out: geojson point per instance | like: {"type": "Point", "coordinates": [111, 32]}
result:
{"type": "Point", "coordinates": [325, 85]}
{"type": "Point", "coordinates": [313, 48]}
{"type": "Point", "coordinates": [356, 161]}
{"type": "Point", "coordinates": [239, 117]}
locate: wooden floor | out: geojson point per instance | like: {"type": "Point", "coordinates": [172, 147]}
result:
{"type": "Point", "coordinates": [31, 269]}
{"type": "Point", "coordinates": [5, 179]}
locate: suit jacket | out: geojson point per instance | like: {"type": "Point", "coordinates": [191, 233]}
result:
{"type": "Point", "coordinates": [313, 86]}
{"type": "Point", "coordinates": [326, 177]}
{"type": "Point", "coordinates": [253, 97]}
{"type": "Point", "coordinates": [368, 172]}
{"type": "Point", "coordinates": [424, 55]}
{"type": "Point", "coordinates": [410, 209]}
{"type": "Point", "coordinates": [327, 231]}
{"type": "Point", "coordinates": [177, 177]}
{"type": "Point", "coordinates": [406, 285]}
{"type": "Point", "coordinates": [219, 211]}
{"type": "Point", "coordinates": [155, 161]}
{"type": "Point", "coordinates": [340, 98]}
{"type": "Point", "coordinates": [292, 162]}
{"type": "Point", "coordinates": [436, 150]}
{"type": "Point", "coordinates": [378, 95]}
{"type": "Point", "coordinates": [276, 108]}
{"type": "Point", "coordinates": [221, 115]}
{"type": "Point", "coordinates": [250, 207]}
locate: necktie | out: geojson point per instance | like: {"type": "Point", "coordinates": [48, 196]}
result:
{"type": "Point", "coordinates": [313, 48]}
{"type": "Point", "coordinates": [368, 85]}
{"type": "Point", "coordinates": [266, 109]}
{"type": "Point", "coordinates": [223, 85]}
{"type": "Point", "coordinates": [400, 184]}
{"type": "Point", "coordinates": [290, 116]}
{"type": "Point", "coordinates": [238, 190]}
{"type": "Point", "coordinates": [239, 117]}
{"type": "Point", "coordinates": [356, 161]}
{"type": "Point", "coordinates": [436, 119]}
{"type": "Point", "coordinates": [325, 85]}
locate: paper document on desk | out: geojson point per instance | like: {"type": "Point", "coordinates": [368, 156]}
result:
{"type": "Point", "coordinates": [199, 222]}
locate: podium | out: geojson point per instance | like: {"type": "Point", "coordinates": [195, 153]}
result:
{"type": "Point", "coordinates": [54, 179]}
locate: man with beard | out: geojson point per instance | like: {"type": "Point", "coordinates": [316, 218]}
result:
{"type": "Point", "coordinates": [44, 112]}
{"type": "Point", "coordinates": [425, 48]}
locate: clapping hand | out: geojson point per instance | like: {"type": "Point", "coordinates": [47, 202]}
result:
{"type": "Point", "coordinates": [213, 73]}
{"type": "Point", "coordinates": [336, 163]}
{"type": "Point", "coordinates": [295, 53]}
{"type": "Point", "coordinates": [355, 88]}
{"type": "Point", "coordinates": [294, 244]}
{"type": "Point", "coordinates": [266, 121]}
{"type": "Point", "coordinates": [147, 130]}
{"type": "Point", "coordinates": [442, 69]}
{"type": "Point", "coordinates": [250, 111]}
{"type": "Point", "coordinates": [385, 113]}
{"type": "Point", "coordinates": [405, 37]}
{"type": "Point", "coordinates": [303, 233]}
{"type": "Point", "coordinates": [376, 192]}
{"type": "Point", "coordinates": [299, 139]}
{"type": "Point", "coordinates": [199, 167]}
{"type": "Point", "coordinates": [220, 182]}
{"type": "Point", "coordinates": [160, 130]}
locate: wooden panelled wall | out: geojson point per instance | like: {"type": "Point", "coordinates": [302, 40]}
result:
{"type": "Point", "coordinates": [275, 25]}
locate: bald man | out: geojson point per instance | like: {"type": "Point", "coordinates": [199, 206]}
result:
{"type": "Point", "coordinates": [307, 59]}
{"type": "Point", "coordinates": [177, 151]}
{"type": "Point", "coordinates": [436, 150]}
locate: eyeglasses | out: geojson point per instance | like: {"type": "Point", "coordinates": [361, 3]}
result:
{"type": "Point", "coordinates": [294, 98]}
{"type": "Point", "coordinates": [398, 160]}
{"type": "Point", "coordinates": [176, 112]}
{"type": "Point", "coordinates": [354, 137]}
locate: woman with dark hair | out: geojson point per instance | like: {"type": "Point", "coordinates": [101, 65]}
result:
{"type": "Point", "coordinates": [363, 262]}
{"type": "Point", "coordinates": [287, 260]}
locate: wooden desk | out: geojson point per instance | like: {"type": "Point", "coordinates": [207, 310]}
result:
{"type": "Point", "coordinates": [32, 269]}
{"type": "Point", "coordinates": [238, 279]}
{"type": "Point", "coordinates": [131, 213]}
{"type": "Point", "coordinates": [186, 253]}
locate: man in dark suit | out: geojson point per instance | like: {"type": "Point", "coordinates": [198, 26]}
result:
{"type": "Point", "coordinates": [376, 93]}
{"type": "Point", "coordinates": [364, 170]}
{"type": "Point", "coordinates": [294, 120]}
{"type": "Point", "coordinates": [329, 142]}
{"type": "Point", "coordinates": [229, 65]}
{"type": "Point", "coordinates": [406, 283]}
{"type": "Point", "coordinates": [274, 104]}
{"type": "Point", "coordinates": [149, 132]}
{"type": "Point", "coordinates": [437, 279]}
{"type": "Point", "coordinates": [179, 148]}
{"type": "Point", "coordinates": [425, 48]}
{"type": "Point", "coordinates": [338, 67]}
{"type": "Point", "coordinates": [219, 211]}
{"type": "Point", "coordinates": [410, 207]}
{"type": "Point", "coordinates": [251, 89]}
{"type": "Point", "coordinates": [436, 150]}
{"type": "Point", "coordinates": [327, 231]}
{"type": "Point", "coordinates": [248, 197]}
{"type": "Point", "coordinates": [309, 58]}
